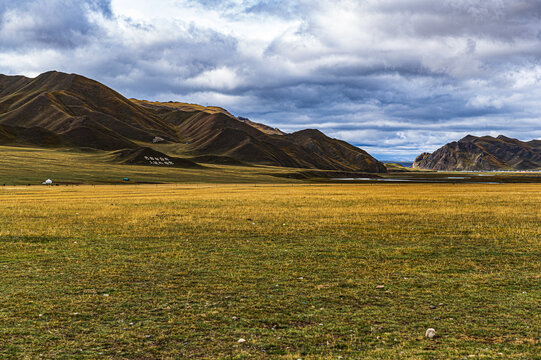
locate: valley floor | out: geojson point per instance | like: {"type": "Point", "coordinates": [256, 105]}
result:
{"type": "Point", "coordinates": [305, 271]}
{"type": "Point", "coordinates": [31, 166]}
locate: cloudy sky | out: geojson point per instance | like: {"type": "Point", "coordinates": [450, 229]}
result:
{"type": "Point", "coordinates": [395, 77]}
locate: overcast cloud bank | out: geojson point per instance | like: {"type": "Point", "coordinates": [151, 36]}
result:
{"type": "Point", "coordinates": [394, 77]}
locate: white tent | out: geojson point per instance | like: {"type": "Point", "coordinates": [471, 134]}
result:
{"type": "Point", "coordinates": [48, 182]}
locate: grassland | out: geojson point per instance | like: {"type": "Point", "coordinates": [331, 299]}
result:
{"type": "Point", "coordinates": [31, 166]}
{"type": "Point", "coordinates": [26, 165]}
{"type": "Point", "coordinates": [180, 271]}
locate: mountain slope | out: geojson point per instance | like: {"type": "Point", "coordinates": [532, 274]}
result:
{"type": "Point", "coordinates": [57, 109]}
{"type": "Point", "coordinates": [64, 103]}
{"type": "Point", "coordinates": [219, 133]}
{"type": "Point", "coordinates": [483, 153]}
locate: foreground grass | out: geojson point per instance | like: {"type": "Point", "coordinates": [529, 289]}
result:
{"type": "Point", "coordinates": [176, 271]}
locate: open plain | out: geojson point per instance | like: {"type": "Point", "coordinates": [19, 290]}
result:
{"type": "Point", "coordinates": [295, 270]}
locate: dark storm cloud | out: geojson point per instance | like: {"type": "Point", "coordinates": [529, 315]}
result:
{"type": "Point", "coordinates": [503, 20]}
{"type": "Point", "coordinates": [398, 76]}
{"type": "Point", "coordinates": [52, 23]}
{"type": "Point", "coordinates": [163, 66]}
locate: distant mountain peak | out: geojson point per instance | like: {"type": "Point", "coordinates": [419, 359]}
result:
{"type": "Point", "coordinates": [468, 138]}
{"type": "Point", "coordinates": [484, 153]}
{"type": "Point", "coordinates": [506, 139]}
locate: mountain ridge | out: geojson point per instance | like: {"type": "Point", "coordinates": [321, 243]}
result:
{"type": "Point", "coordinates": [484, 153]}
{"type": "Point", "coordinates": [71, 110]}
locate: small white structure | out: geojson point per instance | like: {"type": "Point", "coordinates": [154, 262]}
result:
{"type": "Point", "coordinates": [47, 182]}
{"type": "Point", "coordinates": [430, 333]}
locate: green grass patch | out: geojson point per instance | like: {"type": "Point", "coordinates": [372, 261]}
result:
{"type": "Point", "coordinates": [180, 271]}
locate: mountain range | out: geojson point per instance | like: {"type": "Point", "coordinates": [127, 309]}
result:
{"type": "Point", "coordinates": [485, 153]}
{"type": "Point", "coordinates": [70, 111]}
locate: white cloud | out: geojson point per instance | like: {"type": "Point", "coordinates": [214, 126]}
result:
{"type": "Point", "coordinates": [483, 101]}
{"type": "Point", "coordinates": [222, 78]}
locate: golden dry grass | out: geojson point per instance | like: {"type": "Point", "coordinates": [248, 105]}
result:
{"type": "Point", "coordinates": [26, 165]}
{"type": "Point", "coordinates": [184, 106]}
{"type": "Point", "coordinates": [174, 271]}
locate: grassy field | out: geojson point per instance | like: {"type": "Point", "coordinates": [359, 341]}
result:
{"type": "Point", "coordinates": [25, 165]}
{"type": "Point", "coordinates": [32, 166]}
{"type": "Point", "coordinates": [180, 271]}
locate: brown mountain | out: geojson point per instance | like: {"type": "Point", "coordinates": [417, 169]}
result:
{"type": "Point", "coordinates": [483, 153]}
{"type": "Point", "coordinates": [68, 110]}
{"type": "Point", "coordinates": [84, 111]}
{"type": "Point", "coordinates": [261, 127]}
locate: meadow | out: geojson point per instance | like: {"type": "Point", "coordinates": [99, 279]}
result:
{"type": "Point", "coordinates": [310, 271]}
{"type": "Point", "coordinates": [31, 166]}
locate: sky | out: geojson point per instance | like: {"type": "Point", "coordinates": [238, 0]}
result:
{"type": "Point", "coordinates": [394, 77]}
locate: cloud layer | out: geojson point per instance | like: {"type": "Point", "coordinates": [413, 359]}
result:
{"type": "Point", "coordinates": [396, 77]}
